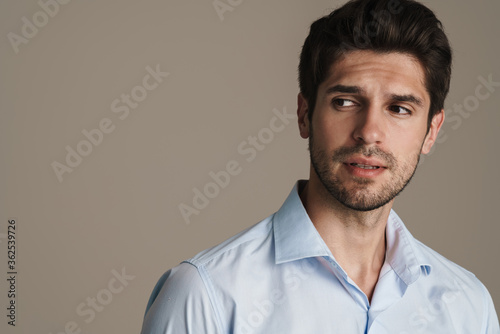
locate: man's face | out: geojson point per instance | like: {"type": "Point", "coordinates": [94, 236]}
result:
{"type": "Point", "coordinates": [369, 127]}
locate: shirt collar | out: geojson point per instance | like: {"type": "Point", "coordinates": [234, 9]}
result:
{"type": "Point", "coordinates": [403, 251]}
{"type": "Point", "coordinates": [296, 238]}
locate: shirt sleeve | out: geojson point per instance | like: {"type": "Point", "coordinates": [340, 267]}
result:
{"type": "Point", "coordinates": [490, 323]}
{"type": "Point", "coordinates": [180, 304]}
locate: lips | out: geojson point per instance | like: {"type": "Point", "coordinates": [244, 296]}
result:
{"type": "Point", "coordinates": [365, 166]}
{"type": "Point", "coordinates": [366, 163]}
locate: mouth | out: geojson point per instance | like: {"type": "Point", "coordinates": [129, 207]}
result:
{"type": "Point", "coordinates": [363, 166]}
{"type": "Point", "coordinates": [365, 169]}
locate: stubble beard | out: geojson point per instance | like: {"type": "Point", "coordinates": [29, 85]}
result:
{"type": "Point", "coordinates": [359, 197]}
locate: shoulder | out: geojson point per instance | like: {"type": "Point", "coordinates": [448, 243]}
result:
{"type": "Point", "coordinates": [452, 277]}
{"type": "Point", "coordinates": [456, 287]}
{"type": "Point", "coordinates": [186, 292]}
{"type": "Point", "coordinates": [180, 296]}
{"type": "Point", "coordinates": [437, 267]}
{"type": "Point", "coordinates": [190, 273]}
{"type": "Point", "coordinates": [189, 277]}
{"type": "Point", "coordinates": [179, 284]}
{"type": "Point", "coordinates": [238, 246]}
{"type": "Point", "coordinates": [442, 267]}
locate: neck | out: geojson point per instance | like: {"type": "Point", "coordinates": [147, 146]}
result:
{"type": "Point", "coordinates": [355, 238]}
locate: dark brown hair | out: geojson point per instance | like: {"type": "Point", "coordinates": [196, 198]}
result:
{"type": "Point", "coordinates": [404, 26]}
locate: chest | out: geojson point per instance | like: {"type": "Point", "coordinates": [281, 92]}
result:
{"type": "Point", "coordinates": [312, 299]}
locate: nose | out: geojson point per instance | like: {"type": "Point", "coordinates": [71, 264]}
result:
{"type": "Point", "coordinates": [370, 127]}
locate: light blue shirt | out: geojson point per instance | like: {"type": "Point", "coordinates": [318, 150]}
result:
{"type": "Point", "coordinates": [279, 277]}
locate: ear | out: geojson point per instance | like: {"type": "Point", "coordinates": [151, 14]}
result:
{"type": "Point", "coordinates": [430, 138]}
{"type": "Point", "coordinates": [303, 116]}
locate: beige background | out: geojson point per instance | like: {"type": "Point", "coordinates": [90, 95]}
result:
{"type": "Point", "coordinates": [119, 207]}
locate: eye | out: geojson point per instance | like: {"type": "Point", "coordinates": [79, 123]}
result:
{"type": "Point", "coordinates": [343, 103]}
{"type": "Point", "coordinates": [400, 110]}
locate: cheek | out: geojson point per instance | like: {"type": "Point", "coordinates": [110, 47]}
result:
{"type": "Point", "coordinates": [407, 145]}
{"type": "Point", "coordinates": [331, 131]}
{"type": "Point", "coordinates": [329, 135]}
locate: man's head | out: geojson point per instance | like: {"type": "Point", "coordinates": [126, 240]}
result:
{"type": "Point", "coordinates": [403, 26]}
{"type": "Point", "coordinates": [375, 75]}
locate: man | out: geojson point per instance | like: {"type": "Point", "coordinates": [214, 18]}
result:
{"type": "Point", "coordinates": [335, 258]}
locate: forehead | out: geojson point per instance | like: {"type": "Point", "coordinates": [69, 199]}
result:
{"type": "Point", "coordinates": [394, 72]}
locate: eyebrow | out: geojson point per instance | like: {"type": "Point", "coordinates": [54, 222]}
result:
{"type": "Point", "coordinates": [407, 98]}
{"type": "Point", "coordinates": [344, 89]}
{"type": "Point", "coordinates": [358, 90]}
